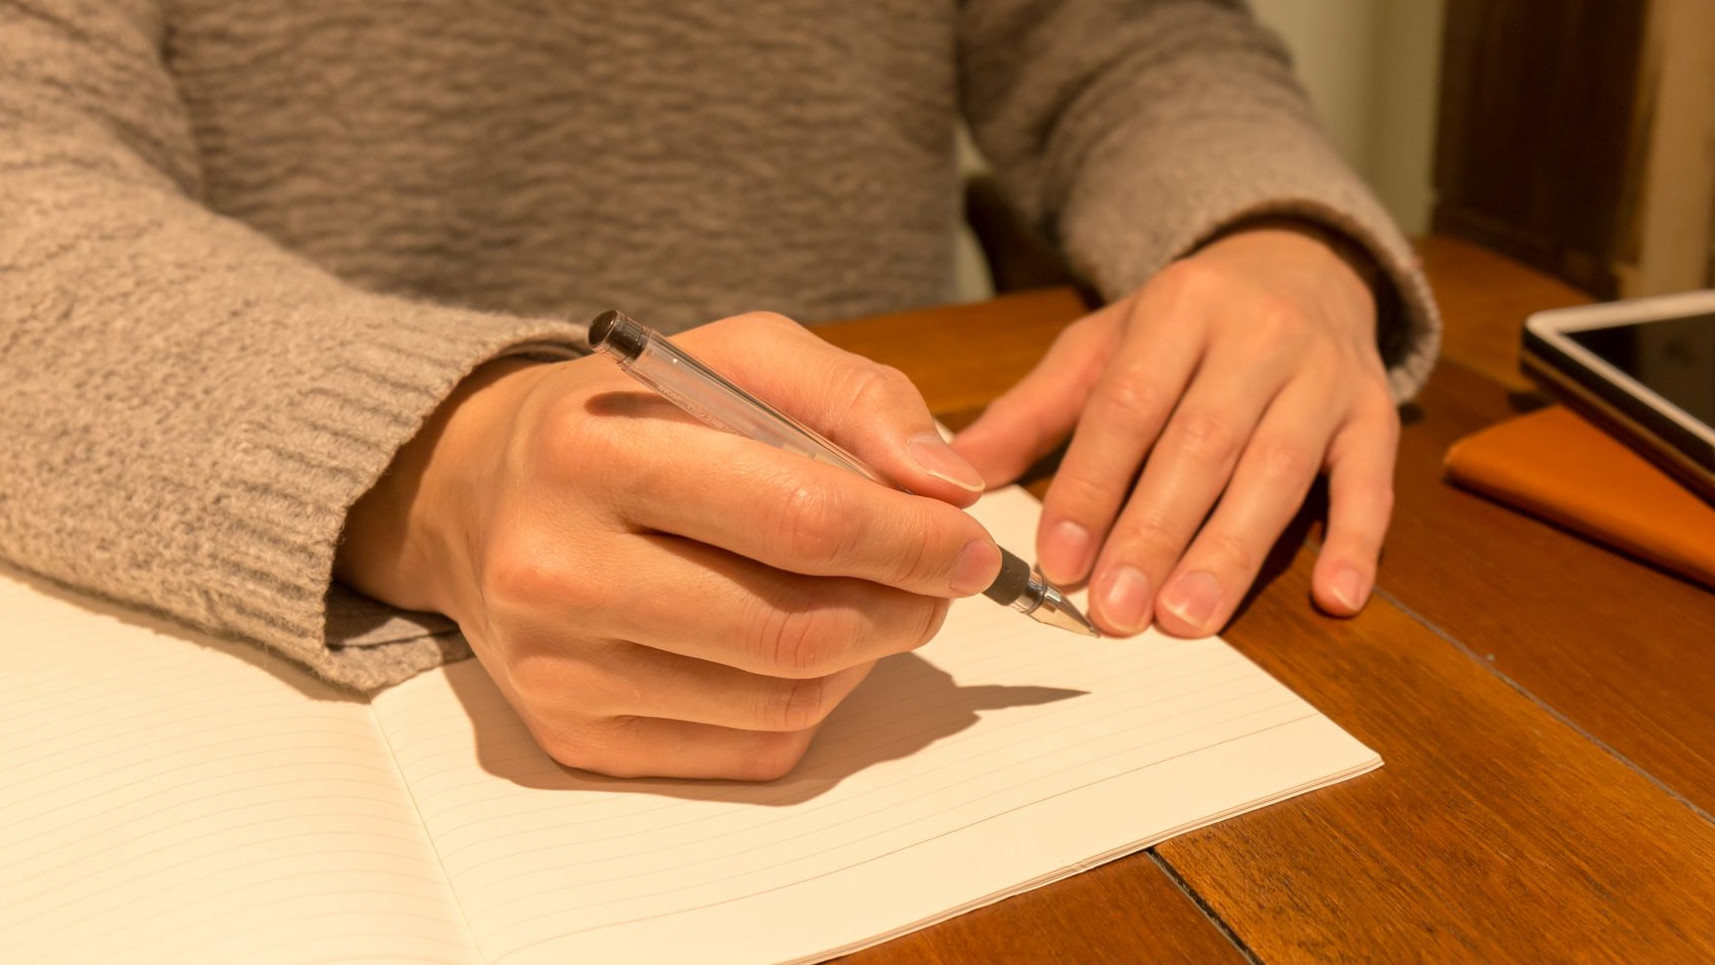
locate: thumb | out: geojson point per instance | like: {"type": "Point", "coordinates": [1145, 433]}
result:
{"type": "Point", "coordinates": [1031, 418]}
{"type": "Point", "coordinates": [871, 410]}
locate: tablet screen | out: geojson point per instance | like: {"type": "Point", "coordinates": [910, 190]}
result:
{"type": "Point", "coordinates": [1675, 357]}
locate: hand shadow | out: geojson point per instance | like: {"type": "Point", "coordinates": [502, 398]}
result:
{"type": "Point", "coordinates": [905, 705]}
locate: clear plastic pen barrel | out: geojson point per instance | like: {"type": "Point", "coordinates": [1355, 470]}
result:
{"type": "Point", "coordinates": [708, 395]}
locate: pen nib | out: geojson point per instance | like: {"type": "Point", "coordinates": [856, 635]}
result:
{"type": "Point", "coordinates": [1057, 611]}
{"type": "Point", "coordinates": [1066, 617]}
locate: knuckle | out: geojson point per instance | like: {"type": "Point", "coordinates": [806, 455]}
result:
{"type": "Point", "coordinates": [773, 320]}
{"type": "Point", "coordinates": [1374, 430]}
{"type": "Point", "coordinates": [808, 643]}
{"type": "Point", "coordinates": [1189, 277]}
{"type": "Point", "coordinates": [1085, 499]}
{"type": "Point", "coordinates": [794, 705]}
{"type": "Point", "coordinates": [775, 756]}
{"type": "Point", "coordinates": [1369, 499]}
{"type": "Point", "coordinates": [1133, 398]}
{"type": "Point", "coordinates": [546, 682]}
{"type": "Point", "coordinates": [931, 617]}
{"type": "Point", "coordinates": [764, 326]}
{"type": "Point", "coordinates": [871, 387]}
{"type": "Point", "coordinates": [1327, 364]}
{"type": "Point", "coordinates": [1283, 463]}
{"type": "Point", "coordinates": [1145, 533]}
{"type": "Point", "coordinates": [1235, 552]}
{"type": "Point", "coordinates": [571, 744]}
{"type": "Point", "coordinates": [520, 573]}
{"type": "Point", "coordinates": [914, 564]}
{"type": "Point", "coordinates": [1206, 437]}
{"type": "Point", "coordinates": [531, 679]}
{"type": "Point", "coordinates": [566, 749]}
{"type": "Point", "coordinates": [812, 524]}
{"type": "Point", "coordinates": [1276, 321]}
{"type": "Point", "coordinates": [929, 546]}
{"type": "Point", "coordinates": [910, 622]}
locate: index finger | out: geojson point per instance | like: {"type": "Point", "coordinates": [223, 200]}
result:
{"type": "Point", "coordinates": [802, 516]}
{"type": "Point", "coordinates": [870, 409]}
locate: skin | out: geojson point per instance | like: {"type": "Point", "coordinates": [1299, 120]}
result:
{"type": "Point", "coordinates": [1223, 386]}
{"type": "Point", "coordinates": [656, 598]}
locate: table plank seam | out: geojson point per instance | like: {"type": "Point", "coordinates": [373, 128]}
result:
{"type": "Point", "coordinates": [1209, 912]}
{"type": "Point", "coordinates": [1548, 708]}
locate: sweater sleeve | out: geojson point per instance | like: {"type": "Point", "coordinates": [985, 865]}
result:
{"type": "Point", "coordinates": [187, 411]}
{"type": "Point", "coordinates": [1131, 131]}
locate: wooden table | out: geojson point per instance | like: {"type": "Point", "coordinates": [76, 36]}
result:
{"type": "Point", "coordinates": [1546, 709]}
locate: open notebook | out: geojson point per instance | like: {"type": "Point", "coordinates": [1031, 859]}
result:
{"type": "Point", "coordinates": [169, 798]}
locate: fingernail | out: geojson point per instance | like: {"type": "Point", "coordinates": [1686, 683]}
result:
{"type": "Point", "coordinates": [1348, 588]}
{"type": "Point", "coordinates": [1125, 599]}
{"type": "Point", "coordinates": [938, 459]}
{"type": "Point", "coordinates": [978, 565]}
{"type": "Point", "coordinates": [1065, 552]}
{"type": "Point", "coordinates": [1193, 598]}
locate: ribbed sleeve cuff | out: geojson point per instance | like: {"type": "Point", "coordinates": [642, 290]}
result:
{"type": "Point", "coordinates": [302, 464]}
{"type": "Point", "coordinates": [1141, 202]}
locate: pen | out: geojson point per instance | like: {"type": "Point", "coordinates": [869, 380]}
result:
{"type": "Point", "coordinates": [706, 394]}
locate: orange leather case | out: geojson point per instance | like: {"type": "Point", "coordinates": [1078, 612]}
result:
{"type": "Point", "coordinates": [1555, 465]}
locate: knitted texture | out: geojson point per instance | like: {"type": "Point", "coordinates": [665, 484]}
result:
{"type": "Point", "coordinates": [248, 246]}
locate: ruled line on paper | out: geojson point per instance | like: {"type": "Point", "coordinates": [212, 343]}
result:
{"type": "Point", "coordinates": [166, 796]}
{"type": "Point", "coordinates": [138, 835]}
{"type": "Point", "coordinates": [752, 861]}
{"type": "Point", "coordinates": [100, 727]}
{"type": "Point", "coordinates": [997, 714]}
{"type": "Point", "coordinates": [244, 745]}
{"type": "Point", "coordinates": [774, 823]}
{"type": "Point", "coordinates": [821, 757]}
{"type": "Point", "coordinates": [847, 727]}
{"type": "Point", "coordinates": [655, 894]}
{"type": "Point", "coordinates": [885, 854]}
{"type": "Point", "coordinates": [197, 885]}
{"type": "Point", "coordinates": [1227, 672]}
{"type": "Point", "coordinates": [173, 798]}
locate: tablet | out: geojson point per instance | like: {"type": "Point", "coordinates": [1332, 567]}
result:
{"type": "Point", "coordinates": [1645, 369]}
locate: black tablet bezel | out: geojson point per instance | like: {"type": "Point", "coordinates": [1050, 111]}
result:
{"type": "Point", "coordinates": [1613, 396]}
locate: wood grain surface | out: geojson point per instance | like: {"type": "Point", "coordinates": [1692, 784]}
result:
{"type": "Point", "coordinates": [1623, 651]}
{"type": "Point", "coordinates": [1546, 710]}
{"type": "Point", "coordinates": [1495, 832]}
{"type": "Point", "coordinates": [1074, 921]}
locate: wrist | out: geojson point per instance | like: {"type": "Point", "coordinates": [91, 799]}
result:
{"type": "Point", "coordinates": [1332, 268]}
{"type": "Point", "coordinates": [407, 540]}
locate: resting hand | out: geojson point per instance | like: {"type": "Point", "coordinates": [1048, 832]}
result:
{"type": "Point", "coordinates": [1230, 380]}
{"type": "Point", "coordinates": [655, 597]}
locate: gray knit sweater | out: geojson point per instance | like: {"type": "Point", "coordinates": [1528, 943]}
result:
{"type": "Point", "coordinates": [247, 246]}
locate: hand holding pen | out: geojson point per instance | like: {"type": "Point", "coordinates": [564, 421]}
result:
{"type": "Point", "coordinates": [657, 599]}
{"type": "Point", "coordinates": [711, 397]}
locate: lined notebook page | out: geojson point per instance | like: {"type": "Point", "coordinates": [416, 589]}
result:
{"type": "Point", "coordinates": [1000, 757]}
{"type": "Point", "coordinates": [171, 799]}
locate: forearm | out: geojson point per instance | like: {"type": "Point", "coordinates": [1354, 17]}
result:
{"type": "Point", "coordinates": [187, 410]}
{"type": "Point", "coordinates": [193, 411]}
